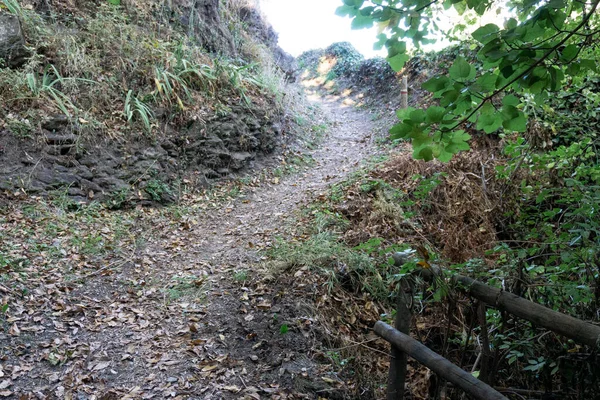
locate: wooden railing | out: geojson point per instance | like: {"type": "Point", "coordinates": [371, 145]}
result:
{"type": "Point", "coordinates": [403, 345]}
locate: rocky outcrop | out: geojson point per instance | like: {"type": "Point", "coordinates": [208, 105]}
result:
{"type": "Point", "coordinates": [61, 160]}
{"type": "Point", "coordinates": [203, 17]}
{"type": "Point", "coordinates": [12, 42]}
{"type": "Point", "coordinates": [263, 32]}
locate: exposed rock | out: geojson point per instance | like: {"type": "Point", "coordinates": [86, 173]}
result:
{"type": "Point", "coordinates": [264, 33]}
{"type": "Point", "coordinates": [207, 24]}
{"type": "Point", "coordinates": [52, 138]}
{"type": "Point", "coordinates": [240, 160]}
{"type": "Point", "coordinates": [56, 123]}
{"type": "Point", "coordinates": [209, 150]}
{"type": "Point", "coordinates": [12, 41]}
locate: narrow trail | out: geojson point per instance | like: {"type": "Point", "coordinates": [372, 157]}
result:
{"type": "Point", "coordinates": [188, 315]}
{"type": "Point", "coordinates": [244, 319]}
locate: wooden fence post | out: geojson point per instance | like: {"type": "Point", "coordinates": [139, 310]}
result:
{"type": "Point", "coordinates": [399, 359]}
{"type": "Point", "coordinates": [404, 93]}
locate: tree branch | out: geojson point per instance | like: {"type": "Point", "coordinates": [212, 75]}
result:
{"type": "Point", "coordinates": [586, 18]}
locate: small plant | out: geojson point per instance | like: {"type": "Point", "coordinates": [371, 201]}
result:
{"type": "Point", "coordinates": [47, 87]}
{"type": "Point", "coordinates": [157, 189]}
{"type": "Point", "coordinates": [240, 276]}
{"type": "Point", "coordinates": [170, 86]}
{"type": "Point", "coordinates": [133, 106]}
{"type": "Point", "coordinates": [118, 199]}
{"type": "Point", "coordinates": [21, 128]}
{"type": "Point", "coordinates": [13, 6]}
{"type": "Point", "coordinates": [283, 329]}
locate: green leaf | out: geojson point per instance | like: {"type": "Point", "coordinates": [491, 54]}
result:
{"type": "Point", "coordinates": [424, 153]}
{"type": "Point", "coordinates": [589, 64]}
{"type": "Point", "coordinates": [381, 39]}
{"type": "Point", "coordinates": [115, 2]}
{"type": "Point", "coordinates": [404, 113]}
{"type": "Point", "coordinates": [397, 62]}
{"type": "Point", "coordinates": [417, 116]}
{"type": "Point", "coordinates": [490, 120]}
{"type": "Point", "coordinates": [284, 329]}
{"type": "Point", "coordinates": [444, 156]}
{"type": "Point", "coordinates": [435, 114]}
{"type": "Point", "coordinates": [436, 84]}
{"type": "Point", "coordinates": [486, 33]}
{"type": "Point", "coordinates": [449, 97]}
{"type": "Point", "coordinates": [460, 137]}
{"type": "Point", "coordinates": [362, 22]}
{"type": "Point", "coordinates": [420, 139]}
{"type": "Point", "coordinates": [345, 11]}
{"type": "Point", "coordinates": [461, 70]}
{"type": "Point", "coordinates": [487, 81]}
{"type": "Point", "coordinates": [514, 120]}
{"type": "Point", "coordinates": [401, 130]}
{"type": "Point", "coordinates": [511, 100]}
{"type": "Point", "coordinates": [569, 53]}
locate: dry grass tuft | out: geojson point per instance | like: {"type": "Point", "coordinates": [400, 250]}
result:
{"type": "Point", "coordinates": [458, 214]}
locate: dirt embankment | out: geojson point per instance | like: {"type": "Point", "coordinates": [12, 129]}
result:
{"type": "Point", "coordinates": [133, 121]}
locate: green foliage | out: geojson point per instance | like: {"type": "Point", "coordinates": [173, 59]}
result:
{"type": "Point", "coordinates": [12, 6]}
{"type": "Point", "coordinates": [116, 64]}
{"type": "Point", "coordinates": [533, 53]}
{"type": "Point", "coordinates": [47, 87]}
{"type": "Point", "coordinates": [134, 106]}
{"type": "Point", "coordinates": [557, 224]}
{"type": "Point", "coordinates": [157, 189]}
{"type": "Point", "coordinates": [347, 58]}
{"type": "Point", "coordinates": [283, 329]}
{"type": "Point", "coordinates": [344, 58]}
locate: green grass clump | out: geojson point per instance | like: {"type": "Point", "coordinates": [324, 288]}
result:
{"type": "Point", "coordinates": [111, 71]}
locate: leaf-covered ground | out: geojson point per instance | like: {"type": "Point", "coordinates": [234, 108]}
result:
{"type": "Point", "coordinates": [169, 303]}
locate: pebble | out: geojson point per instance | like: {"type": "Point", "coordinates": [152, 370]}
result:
{"type": "Point", "coordinates": [254, 357]}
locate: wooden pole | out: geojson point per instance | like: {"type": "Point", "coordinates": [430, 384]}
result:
{"type": "Point", "coordinates": [404, 93]}
{"type": "Point", "coordinates": [573, 328]}
{"type": "Point", "coordinates": [399, 359]}
{"type": "Point", "coordinates": [438, 364]}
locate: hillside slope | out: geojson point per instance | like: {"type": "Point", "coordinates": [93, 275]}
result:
{"type": "Point", "coordinates": [132, 102]}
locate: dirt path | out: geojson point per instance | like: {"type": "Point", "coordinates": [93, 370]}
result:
{"type": "Point", "coordinates": [188, 315]}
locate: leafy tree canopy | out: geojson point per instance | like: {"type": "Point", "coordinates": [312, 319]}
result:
{"type": "Point", "coordinates": [533, 54]}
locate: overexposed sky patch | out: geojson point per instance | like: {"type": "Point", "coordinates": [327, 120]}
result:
{"type": "Point", "coordinates": [312, 24]}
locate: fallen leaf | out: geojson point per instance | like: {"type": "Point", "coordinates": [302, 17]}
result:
{"type": "Point", "coordinates": [101, 365]}
{"type": "Point", "coordinates": [14, 330]}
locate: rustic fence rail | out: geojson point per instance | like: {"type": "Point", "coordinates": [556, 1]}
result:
{"type": "Point", "coordinates": [438, 364]}
{"type": "Point", "coordinates": [403, 345]}
{"type": "Point", "coordinates": [573, 328]}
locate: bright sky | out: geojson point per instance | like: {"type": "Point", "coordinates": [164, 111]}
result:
{"type": "Point", "coordinates": [312, 24]}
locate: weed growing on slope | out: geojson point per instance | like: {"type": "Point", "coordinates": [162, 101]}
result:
{"type": "Point", "coordinates": [113, 71]}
